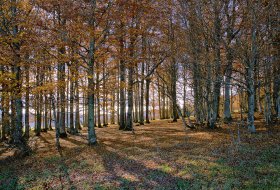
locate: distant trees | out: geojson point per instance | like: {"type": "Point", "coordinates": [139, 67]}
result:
{"type": "Point", "coordinates": [225, 42]}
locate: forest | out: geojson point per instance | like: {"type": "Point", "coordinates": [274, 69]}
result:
{"type": "Point", "coordinates": [139, 94]}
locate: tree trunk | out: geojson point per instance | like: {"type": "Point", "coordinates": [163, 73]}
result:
{"type": "Point", "coordinates": [27, 125]}
{"type": "Point", "coordinates": [72, 91]}
{"type": "Point", "coordinates": [16, 69]}
{"type": "Point", "coordinates": [148, 81]}
{"type": "Point", "coordinates": [5, 110]}
{"type": "Point", "coordinates": [77, 107]}
{"type": "Point", "coordinates": [122, 84]}
{"type": "Point", "coordinates": [98, 95]}
{"type": "Point", "coordinates": [136, 103]}
{"type": "Point", "coordinates": [104, 98]}
{"type": "Point", "coordinates": [154, 104]}
{"type": "Point", "coordinates": [184, 89]}
{"type": "Point", "coordinates": [159, 99]}
{"type": "Point", "coordinates": [268, 107]}
{"type": "Point", "coordinates": [218, 78]}
{"type": "Point", "coordinates": [227, 111]}
{"type": "Point", "coordinates": [112, 107]}
{"type": "Point", "coordinates": [91, 130]}
{"type": "Point", "coordinates": [52, 101]}
{"type": "Point", "coordinates": [39, 97]}
{"type": "Point", "coordinates": [46, 113]}
{"type": "Point", "coordinates": [173, 90]}
{"type": "Point", "coordinates": [129, 118]}
{"type": "Point", "coordinates": [251, 74]}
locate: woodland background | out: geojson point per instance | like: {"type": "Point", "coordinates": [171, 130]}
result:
{"type": "Point", "coordinates": [152, 76]}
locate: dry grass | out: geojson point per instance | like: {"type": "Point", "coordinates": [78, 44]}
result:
{"type": "Point", "coordinates": [160, 155]}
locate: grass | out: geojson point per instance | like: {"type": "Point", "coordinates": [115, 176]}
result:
{"type": "Point", "coordinates": [159, 156]}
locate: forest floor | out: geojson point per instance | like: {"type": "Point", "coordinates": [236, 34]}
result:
{"type": "Point", "coordinates": [160, 155]}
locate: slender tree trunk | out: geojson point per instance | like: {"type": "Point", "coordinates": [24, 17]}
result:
{"type": "Point", "coordinates": [154, 104]}
{"type": "Point", "coordinates": [129, 118]}
{"type": "Point", "coordinates": [85, 119]}
{"type": "Point", "coordinates": [227, 111]}
{"type": "Point", "coordinates": [72, 91]}
{"type": "Point", "coordinates": [62, 82]}
{"type": "Point", "coordinates": [12, 117]}
{"type": "Point", "coordinates": [173, 90]}
{"type": "Point", "coordinates": [136, 101]}
{"type": "Point", "coordinates": [141, 113]}
{"type": "Point", "coordinates": [196, 91]}
{"type": "Point", "coordinates": [77, 107]}
{"type": "Point", "coordinates": [67, 99]}
{"type": "Point", "coordinates": [251, 74]}
{"type": "Point", "coordinates": [50, 102]}
{"type": "Point", "coordinates": [98, 95]}
{"type": "Point", "coordinates": [46, 113]}
{"type": "Point", "coordinates": [184, 89]}
{"type": "Point", "coordinates": [164, 115]}
{"type": "Point", "coordinates": [104, 98]}
{"type": "Point", "coordinates": [17, 97]}
{"type": "Point", "coordinates": [122, 85]}
{"type": "Point", "coordinates": [159, 99]}
{"type": "Point", "coordinates": [268, 107]}
{"type": "Point", "coordinates": [39, 103]}
{"type": "Point", "coordinates": [27, 125]}
{"type": "Point", "coordinates": [218, 78]}
{"type": "Point", "coordinates": [91, 130]}
{"type": "Point", "coordinates": [112, 117]}
{"type": "Point", "coordinates": [57, 135]}
{"type": "Point", "coordinates": [5, 110]}
{"type": "Point", "coordinates": [148, 82]}
{"type": "Point", "coordinates": [118, 98]}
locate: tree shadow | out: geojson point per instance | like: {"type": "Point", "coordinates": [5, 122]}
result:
{"type": "Point", "coordinates": [74, 141]}
{"type": "Point", "coordinates": [143, 177]}
{"type": "Point", "coordinates": [44, 140]}
{"type": "Point", "coordinates": [65, 170]}
{"type": "Point", "coordinates": [9, 179]}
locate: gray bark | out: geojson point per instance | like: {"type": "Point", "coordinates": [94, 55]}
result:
{"type": "Point", "coordinates": [141, 114]}
{"type": "Point", "coordinates": [52, 101]}
{"type": "Point", "coordinates": [227, 105]}
{"type": "Point", "coordinates": [173, 90]}
{"type": "Point", "coordinates": [98, 95]}
{"type": "Point", "coordinates": [91, 130]}
{"type": "Point", "coordinates": [218, 78]}
{"type": "Point", "coordinates": [72, 91]}
{"type": "Point", "coordinates": [27, 125]}
{"type": "Point", "coordinates": [77, 107]}
{"type": "Point", "coordinates": [122, 83]}
{"type": "Point", "coordinates": [17, 97]}
{"type": "Point", "coordinates": [251, 74]}
{"type": "Point", "coordinates": [129, 117]}
{"type": "Point", "coordinates": [148, 81]}
{"type": "Point", "coordinates": [39, 98]}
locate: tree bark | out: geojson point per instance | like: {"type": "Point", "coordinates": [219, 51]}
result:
{"type": "Point", "coordinates": [72, 91]}
{"type": "Point", "coordinates": [27, 125]}
{"type": "Point", "coordinates": [148, 81]}
{"type": "Point", "coordinates": [122, 84]}
{"type": "Point", "coordinates": [91, 130]}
